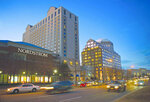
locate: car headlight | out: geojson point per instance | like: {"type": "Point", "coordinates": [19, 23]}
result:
{"type": "Point", "coordinates": [8, 89]}
{"type": "Point", "coordinates": [116, 87]}
{"type": "Point", "coordinates": [108, 86]}
{"type": "Point", "coordinates": [141, 83]}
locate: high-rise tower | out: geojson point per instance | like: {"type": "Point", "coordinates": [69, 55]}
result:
{"type": "Point", "coordinates": [58, 32]}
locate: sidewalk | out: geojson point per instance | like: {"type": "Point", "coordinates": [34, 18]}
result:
{"type": "Point", "coordinates": [142, 95]}
{"type": "Point", "coordinates": [2, 91]}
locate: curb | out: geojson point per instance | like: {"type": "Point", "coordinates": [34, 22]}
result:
{"type": "Point", "coordinates": [2, 92]}
{"type": "Point", "coordinates": [127, 94]}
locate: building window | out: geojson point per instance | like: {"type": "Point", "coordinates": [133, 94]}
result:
{"type": "Point", "coordinates": [75, 18]}
{"type": "Point", "coordinates": [70, 15]}
{"type": "Point", "coordinates": [71, 63]}
{"type": "Point", "coordinates": [58, 11]}
{"type": "Point", "coordinates": [46, 20]}
{"type": "Point", "coordinates": [51, 15]}
{"type": "Point", "coordinates": [55, 13]}
{"type": "Point", "coordinates": [64, 12]}
{"type": "Point", "coordinates": [65, 61]}
{"type": "Point", "coordinates": [48, 17]}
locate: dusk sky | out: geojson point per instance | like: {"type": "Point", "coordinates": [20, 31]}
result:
{"type": "Point", "coordinates": [124, 22]}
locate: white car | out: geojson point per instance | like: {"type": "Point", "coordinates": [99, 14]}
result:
{"type": "Point", "coordinates": [139, 83]}
{"type": "Point", "coordinates": [23, 88]}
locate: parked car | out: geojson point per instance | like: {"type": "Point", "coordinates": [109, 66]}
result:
{"type": "Point", "coordinates": [89, 83]}
{"type": "Point", "coordinates": [83, 84]}
{"type": "Point", "coordinates": [123, 82]}
{"type": "Point", "coordinates": [97, 83]}
{"type": "Point", "coordinates": [23, 88]}
{"type": "Point", "coordinates": [139, 83]}
{"type": "Point", "coordinates": [108, 82]}
{"type": "Point", "coordinates": [60, 86]}
{"type": "Point", "coordinates": [116, 86]}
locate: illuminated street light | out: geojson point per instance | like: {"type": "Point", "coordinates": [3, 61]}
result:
{"type": "Point", "coordinates": [1, 72]}
{"type": "Point", "coordinates": [36, 73]}
{"type": "Point", "coordinates": [24, 73]}
{"type": "Point", "coordinates": [132, 66]}
{"type": "Point", "coordinates": [55, 71]}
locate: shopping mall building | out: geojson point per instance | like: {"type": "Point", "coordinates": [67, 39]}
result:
{"type": "Point", "coordinates": [22, 62]}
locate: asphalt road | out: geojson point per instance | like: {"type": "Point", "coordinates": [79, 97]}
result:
{"type": "Point", "coordinates": [94, 94]}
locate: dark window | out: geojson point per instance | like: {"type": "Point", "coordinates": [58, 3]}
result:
{"type": "Point", "coordinates": [24, 85]}
{"type": "Point", "coordinates": [55, 13]}
{"type": "Point", "coordinates": [64, 33]}
{"type": "Point", "coordinates": [46, 20]}
{"type": "Point", "coordinates": [75, 18]}
{"type": "Point", "coordinates": [43, 21]}
{"type": "Point", "coordinates": [65, 55]}
{"type": "Point", "coordinates": [59, 11]}
{"type": "Point", "coordinates": [29, 85]}
{"type": "Point", "coordinates": [64, 12]}
{"type": "Point", "coordinates": [70, 15]}
{"type": "Point", "coordinates": [48, 17]}
{"type": "Point", "coordinates": [51, 15]}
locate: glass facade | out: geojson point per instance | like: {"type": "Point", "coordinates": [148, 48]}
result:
{"type": "Point", "coordinates": [10, 79]}
{"type": "Point", "coordinates": [101, 56]}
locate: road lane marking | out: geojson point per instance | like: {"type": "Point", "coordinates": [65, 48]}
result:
{"type": "Point", "coordinates": [70, 99]}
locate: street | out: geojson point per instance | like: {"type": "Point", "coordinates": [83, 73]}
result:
{"type": "Point", "coordinates": [89, 94]}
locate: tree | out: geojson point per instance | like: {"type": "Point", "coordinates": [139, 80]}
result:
{"type": "Point", "coordinates": [87, 73]}
{"type": "Point", "coordinates": [64, 72]}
